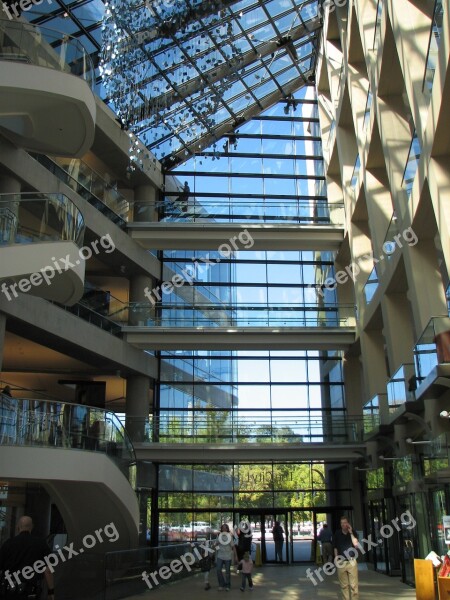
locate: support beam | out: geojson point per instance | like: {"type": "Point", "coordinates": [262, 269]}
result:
{"type": "Point", "coordinates": [209, 236]}
{"type": "Point", "coordinates": [229, 453]}
{"type": "Point", "coordinates": [240, 338]}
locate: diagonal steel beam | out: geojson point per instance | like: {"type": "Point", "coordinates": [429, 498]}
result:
{"type": "Point", "coordinates": [216, 74]}
{"type": "Point", "coordinates": [196, 146]}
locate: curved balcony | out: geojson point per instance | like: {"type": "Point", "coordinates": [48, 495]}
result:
{"type": "Point", "coordinates": [80, 454]}
{"type": "Point", "coordinates": [46, 100]}
{"type": "Point", "coordinates": [25, 422]}
{"type": "Point", "coordinates": [38, 232]}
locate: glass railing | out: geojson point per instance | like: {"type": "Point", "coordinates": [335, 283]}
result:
{"type": "Point", "coordinates": [400, 386]}
{"type": "Point", "coordinates": [371, 286]}
{"type": "Point", "coordinates": [433, 46]}
{"type": "Point", "coordinates": [367, 110]}
{"type": "Point", "coordinates": [252, 210]}
{"type": "Point", "coordinates": [124, 569]}
{"type": "Point", "coordinates": [105, 304]}
{"type": "Point", "coordinates": [433, 346]}
{"type": "Point", "coordinates": [389, 244]}
{"type": "Point", "coordinates": [98, 186]}
{"type": "Point", "coordinates": [247, 426]}
{"type": "Point", "coordinates": [48, 423]}
{"type": "Point", "coordinates": [403, 471]}
{"type": "Point", "coordinates": [242, 315]}
{"type": "Point", "coordinates": [100, 308]}
{"type": "Point", "coordinates": [412, 164]}
{"type": "Point", "coordinates": [435, 455]}
{"type": "Point", "coordinates": [374, 412]}
{"type": "Point", "coordinates": [34, 217]}
{"type": "Point", "coordinates": [109, 193]}
{"type": "Point", "coordinates": [355, 174]}
{"type": "Point", "coordinates": [340, 85]}
{"type": "Point", "coordinates": [331, 134]}
{"type": "Point", "coordinates": [377, 36]}
{"type": "Point", "coordinates": [23, 42]}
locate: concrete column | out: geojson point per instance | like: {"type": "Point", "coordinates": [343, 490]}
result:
{"type": "Point", "coordinates": [425, 287]}
{"type": "Point", "coordinates": [137, 406]}
{"type": "Point", "coordinates": [379, 207]}
{"type": "Point", "coordinates": [397, 330]}
{"type": "Point", "coordinates": [142, 311]}
{"type": "Point", "coordinates": [374, 363]}
{"type": "Point", "coordinates": [353, 385]}
{"type": "Point", "coordinates": [145, 204]}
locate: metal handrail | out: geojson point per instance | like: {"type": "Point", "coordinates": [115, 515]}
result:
{"type": "Point", "coordinates": [54, 424]}
{"type": "Point", "coordinates": [40, 46]}
{"type": "Point", "coordinates": [29, 217]}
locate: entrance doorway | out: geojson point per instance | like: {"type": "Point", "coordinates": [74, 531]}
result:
{"type": "Point", "coordinates": [262, 523]}
{"type": "Point", "coordinates": [300, 527]}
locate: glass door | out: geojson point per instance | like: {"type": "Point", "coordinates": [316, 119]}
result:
{"type": "Point", "coordinates": [379, 555]}
{"type": "Point", "coordinates": [409, 539]}
{"type": "Point", "coordinates": [303, 535]}
{"type": "Point", "coordinates": [276, 538]}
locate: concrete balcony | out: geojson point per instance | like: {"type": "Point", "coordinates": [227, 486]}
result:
{"type": "Point", "coordinates": [46, 102]}
{"type": "Point", "coordinates": [40, 238]}
{"type": "Point", "coordinates": [81, 455]}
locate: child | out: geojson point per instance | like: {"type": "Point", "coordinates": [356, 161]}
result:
{"type": "Point", "coordinates": [206, 565]}
{"type": "Point", "coordinates": [246, 567]}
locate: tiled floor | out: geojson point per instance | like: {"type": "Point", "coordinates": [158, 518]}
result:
{"type": "Point", "coordinates": [283, 582]}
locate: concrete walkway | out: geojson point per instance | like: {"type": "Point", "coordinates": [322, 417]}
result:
{"type": "Point", "coordinates": [280, 583]}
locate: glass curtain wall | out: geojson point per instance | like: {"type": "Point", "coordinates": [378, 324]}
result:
{"type": "Point", "coordinates": [270, 170]}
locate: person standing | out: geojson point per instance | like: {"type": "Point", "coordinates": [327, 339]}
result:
{"type": "Point", "coordinates": [21, 553]}
{"type": "Point", "coordinates": [244, 535]}
{"type": "Point", "coordinates": [225, 554]}
{"type": "Point", "coordinates": [345, 542]}
{"type": "Point", "coordinates": [246, 566]}
{"type": "Point", "coordinates": [325, 538]}
{"type": "Point", "coordinates": [278, 538]}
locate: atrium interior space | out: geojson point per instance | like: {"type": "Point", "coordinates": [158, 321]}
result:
{"type": "Point", "coordinates": [224, 284]}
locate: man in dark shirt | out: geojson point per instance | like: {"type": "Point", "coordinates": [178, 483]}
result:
{"type": "Point", "coordinates": [22, 564]}
{"type": "Point", "coordinates": [345, 542]}
{"type": "Point", "coordinates": [278, 538]}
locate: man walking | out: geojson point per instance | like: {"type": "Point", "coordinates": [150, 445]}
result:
{"type": "Point", "coordinates": [345, 542]}
{"type": "Point", "coordinates": [22, 564]}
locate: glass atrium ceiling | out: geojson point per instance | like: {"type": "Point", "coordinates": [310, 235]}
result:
{"type": "Point", "coordinates": [181, 74]}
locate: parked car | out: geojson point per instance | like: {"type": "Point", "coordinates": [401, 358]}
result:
{"type": "Point", "coordinates": [197, 530]}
